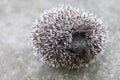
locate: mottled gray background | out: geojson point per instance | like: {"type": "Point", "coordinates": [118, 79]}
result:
{"type": "Point", "coordinates": [17, 61]}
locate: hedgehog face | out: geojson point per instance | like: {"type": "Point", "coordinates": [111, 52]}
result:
{"type": "Point", "coordinates": [79, 43]}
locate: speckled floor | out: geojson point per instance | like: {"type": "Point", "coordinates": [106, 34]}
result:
{"type": "Point", "coordinates": [17, 61]}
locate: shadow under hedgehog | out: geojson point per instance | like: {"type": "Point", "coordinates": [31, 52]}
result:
{"type": "Point", "coordinates": [68, 37]}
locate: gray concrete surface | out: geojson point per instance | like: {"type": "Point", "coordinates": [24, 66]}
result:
{"type": "Point", "coordinates": [17, 61]}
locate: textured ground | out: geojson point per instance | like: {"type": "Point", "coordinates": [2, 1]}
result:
{"type": "Point", "coordinates": [17, 61]}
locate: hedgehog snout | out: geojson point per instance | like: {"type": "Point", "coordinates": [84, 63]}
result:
{"type": "Point", "coordinates": [74, 48]}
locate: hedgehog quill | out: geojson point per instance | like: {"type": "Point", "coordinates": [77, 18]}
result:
{"type": "Point", "coordinates": [68, 37]}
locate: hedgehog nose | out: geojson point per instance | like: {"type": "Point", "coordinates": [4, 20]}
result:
{"type": "Point", "coordinates": [74, 47]}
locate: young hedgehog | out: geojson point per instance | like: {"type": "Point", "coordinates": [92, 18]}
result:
{"type": "Point", "coordinates": [68, 37]}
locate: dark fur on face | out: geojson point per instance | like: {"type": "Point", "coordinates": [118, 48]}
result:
{"type": "Point", "coordinates": [80, 44]}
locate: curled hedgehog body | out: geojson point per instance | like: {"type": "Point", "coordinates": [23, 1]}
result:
{"type": "Point", "coordinates": [68, 37]}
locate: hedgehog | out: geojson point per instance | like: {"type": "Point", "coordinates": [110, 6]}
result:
{"type": "Point", "coordinates": [68, 37]}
